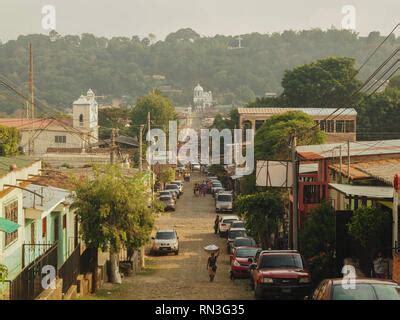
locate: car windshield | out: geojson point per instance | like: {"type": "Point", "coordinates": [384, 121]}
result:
{"type": "Point", "coordinates": [236, 233]}
{"type": "Point", "coordinates": [281, 261]}
{"type": "Point", "coordinates": [171, 187]}
{"type": "Point", "coordinates": [165, 198]}
{"type": "Point", "coordinates": [164, 235]}
{"type": "Point", "coordinates": [246, 252]}
{"type": "Point", "coordinates": [244, 242]}
{"type": "Point", "coordinates": [228, 221]}
{"type": "Point", "coordinates": [239, 224]}
{"type": "Point", "coordinates": [224, 198]}
{"type": "Point", "coordinates": [366, 291]}
{"type": "Point", "coordinates": [216, 183]}
{"type": "Point", "coordinates": [165, 193]}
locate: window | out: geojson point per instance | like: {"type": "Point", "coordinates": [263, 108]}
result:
{"type": "Point", "coordinates": [81, 120]}
{"type": "Point", "coordinates": [60, 139]}
{"type": "Point", "coordinates": [340, 126]}
{"type": "Point", "coordinates": [322, 125]}
{"type": "Point", "coordinates": [64, 221]}
{"type": "Point", "coordinates": [349, 126]}
{"type": "Point", "coordinates": [330, 126]}
{"type": "Point", "coordinates": [44, 227]}
{"type": "Point", "coordinates": [11, 213]}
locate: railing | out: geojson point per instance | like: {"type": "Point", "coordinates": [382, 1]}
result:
{"type": "Point", "coordinates": [31, 251]}
{"type": "Point", "coordinates": [69, 271]}
{"type": "Point", "coordinates": [28, 284]}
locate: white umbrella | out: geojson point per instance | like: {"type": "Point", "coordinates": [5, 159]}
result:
{"type": "Point", "coordinates": [211, 248]}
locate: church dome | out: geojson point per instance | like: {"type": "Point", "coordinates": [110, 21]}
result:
{"type": "Point", "coordinates": [198, 88]}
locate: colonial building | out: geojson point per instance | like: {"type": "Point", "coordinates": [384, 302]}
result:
{"type": "Point", "coordinates": [76, 134]}
{"type": "Point", "coordinates": [340, 125]}
{"type": "Point", "coordinates": [202, 99]}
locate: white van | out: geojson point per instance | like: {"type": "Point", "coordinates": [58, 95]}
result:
{"type": "Point", "coordinates": [224, 202]}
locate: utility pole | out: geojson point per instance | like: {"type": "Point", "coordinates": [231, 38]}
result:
{"type": "Point", "coordinates": [150, 157]}
{"type": "Point", "coordinates": [295, 218]}
{"type": "Point", "coordinates": [348, 161]}
{"type": "Point", "coordinates": [112, 147]}
{"type": "Point", "coordinates": [141, 147]}
{"type": "Point", "coordinates": [340, 164]}
{"type": "Point", "coordinates": [32, 101]}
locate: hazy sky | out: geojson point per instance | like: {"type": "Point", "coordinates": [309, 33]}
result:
{"type": "Point", "coordinates": [207, 17]}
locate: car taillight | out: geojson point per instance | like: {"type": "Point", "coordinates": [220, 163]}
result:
{"type": "Point", "coordinates": [223, 224]}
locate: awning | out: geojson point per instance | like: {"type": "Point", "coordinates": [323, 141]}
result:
{"type": "Point", "coordinates": [8, 226]}
{"type": "Point", "coordinates": [373, 192]}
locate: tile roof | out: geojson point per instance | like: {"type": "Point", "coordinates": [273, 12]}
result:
{"type": "Point", "coordinates": [357, 148]}
{"type": "Point", "coordinates": [21, 123]}
{"type": "Point", "coordinates": [20, 162]}
{"type": "Point", "coordinates": [310, 111]}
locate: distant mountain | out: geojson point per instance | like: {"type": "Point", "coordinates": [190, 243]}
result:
{"type": "Point", "coordinates": [66, 66]}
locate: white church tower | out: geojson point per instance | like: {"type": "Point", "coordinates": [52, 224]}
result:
{"type": "Point", "coordinates": [85, 115]}
{"type": "Point", "coordinates": [201, 99]}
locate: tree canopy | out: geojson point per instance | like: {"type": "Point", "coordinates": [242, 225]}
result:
{"type": "Point", "coordinates": [272, 140]}
{"type": "Point", "coordinates": [9, 141]}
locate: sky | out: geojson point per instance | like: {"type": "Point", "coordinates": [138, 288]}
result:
{"type": "Point", "coordinates": [207, 17]}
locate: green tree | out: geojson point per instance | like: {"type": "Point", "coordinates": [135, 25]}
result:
{"type": "Point", "coordinates": [3, 277]}
{"type": "Point", "coordinates": [369, 227]}
{"type": "Point", "coordinates": [113, 212]}
{"type": "Point", "coordinates": [160, 108]}
{"type": "Point", "coordinates": [166, 176]}
{"type": "Point", "coordinates": [9, 141]}
{"type": "Point", "coordinates": [317, 242]}
{"type": "Point", "coordinates": [328, 82]}
{"type": "Point", "coordinates": [263, 214]}
{"type": "Point", "coordinates": [272, 140]}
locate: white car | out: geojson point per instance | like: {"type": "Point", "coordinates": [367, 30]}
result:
{"type": "Point", "coordinates": [224, 224]}
{"type": "Point", "coordinates": [224, 202]}
{"type": "Point", "coordinates": [165, 241]}
{"type": "Point", "coordinates": [196, 167]}
{"type": "Point", "coordinates": [215, 184]}
{"type": "Point", "coordinates": [180, 185]}
{"type": "Point", "coordinates": [173, 187]}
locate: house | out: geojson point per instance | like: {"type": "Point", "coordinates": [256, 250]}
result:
{"type": "Point", "coordinates": [340, 126]}
{"type": "Point", "coordinates": [78, 133]}
{"type": "Point", "coordinates": [47, 228]}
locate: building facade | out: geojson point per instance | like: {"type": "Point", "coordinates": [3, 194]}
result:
{"type": "Point", "coordinates": [202, 100]}
{"type": "Point", "coordinates": [77, 134]}
{"type": "Point", "coordinates": [339, 125]}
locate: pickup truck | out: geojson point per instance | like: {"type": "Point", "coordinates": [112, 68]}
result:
{"type": "Point", "coordinates": [279, 274]}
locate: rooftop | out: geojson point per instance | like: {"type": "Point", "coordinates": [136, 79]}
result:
{"type": "Point", "coordinates": [20, 162]}
{"type": "Point", "coordinates": [22, 123]}
{"type": "Point", "coordinates": [52, 197]}
{"type": "Point", "coordinates": [375, 192]}
{"type": "Point", "coordinates": [311, 111]}
{"type": "Point", "coordinates": [357, 148]}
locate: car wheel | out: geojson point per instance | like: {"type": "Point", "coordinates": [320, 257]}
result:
{"type": "Point", "coordinates": [232, 276]}
{"type": "Point", "coordinates": [176, 252]}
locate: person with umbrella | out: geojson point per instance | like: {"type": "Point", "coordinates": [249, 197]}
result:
{"type": "Point", "coordinates": [212, 262]}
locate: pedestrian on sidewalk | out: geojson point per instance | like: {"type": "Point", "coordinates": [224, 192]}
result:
{"type": "Point", "coordinates": [380, 266]}
{"type": "Point", "coordinates": [212, 265]}
{"type": "Point", "coordinates": [216, 223]}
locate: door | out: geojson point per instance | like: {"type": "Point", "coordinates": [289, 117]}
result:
{"type": "Point", "coordinates": [33, 234]}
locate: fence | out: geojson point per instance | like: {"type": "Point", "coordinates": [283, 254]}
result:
{"type": "Point", "coordinates": [69, 271]}
{"type": "Point", "coordinates": [28, 284]}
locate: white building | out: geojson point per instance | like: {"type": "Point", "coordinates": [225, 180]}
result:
{"type": "Point", "coordinates": [39, 136]}
{"type": "Point", "coordinates": [202, 99]}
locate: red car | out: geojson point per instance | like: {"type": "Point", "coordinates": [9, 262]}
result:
{"type": "Point", "coordinates": [280, 274]}
{"type": "Point", "coordinates": [241, 259]}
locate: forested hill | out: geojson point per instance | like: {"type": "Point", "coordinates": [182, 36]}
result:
{"type": "Point", "coordinates": [128, 67]}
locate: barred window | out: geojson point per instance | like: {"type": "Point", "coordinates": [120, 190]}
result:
{"type": "Point", "coordinates": [349, 126]}
{"type": "Point", "coordinates": [340, 126]}
{"type": "Point", "coordinates": [11, 213]}
{"type": "Point", "coordinates": [60, 139]}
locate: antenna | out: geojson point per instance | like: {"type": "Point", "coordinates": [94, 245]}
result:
{"type": "Point", "coordinates": [32, 97]}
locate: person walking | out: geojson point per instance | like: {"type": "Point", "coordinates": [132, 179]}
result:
{"type": "Point", "coordinates": [380, 266]}
{"type": "Point", "coordinates": [212, 265]}
{"type": "Point", "coordinates": [216, 223]}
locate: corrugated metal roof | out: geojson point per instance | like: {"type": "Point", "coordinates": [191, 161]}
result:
{"type": "Point", "coordinates": [375, 192]}
{"type": "Point", "coordinates": [362, 148]}
{"type": "Point", "coordinates": [311, 111]}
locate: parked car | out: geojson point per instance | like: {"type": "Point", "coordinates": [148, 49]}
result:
{"type": "Point", "coordinates": [241, 260]}
{"type": "Point", "coordinates": [196, 167]}
{"type": "Point", "coordinates": [179, 184]}
{"type": "Point", "coordinates": [280, 274]}
{"type": "Point", "coordinates": [233, 233]}
{"type": "Point", "coordinates": [217, 190]}
{"type": "Point", "coordinates": [215, 184]}
{"type": "Point", "coordinates": [166, 193]}
{"type": "Point", "coordinates": [242, 242]}
{"type": "Point", "coordinates": [365, 289]}
{"type": "Point", "coordinates": [169, 202]}
{"type": "Point", "coordinates": [173, 187]}
{"type": "Point", "coordinates": [224, 223]}
{"type": "Point", "coordinates": [165, 241]}
{"type": "Point", "coordinates": [237, 224]}
{"type": "Point", "coordinates": [224, 202]}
